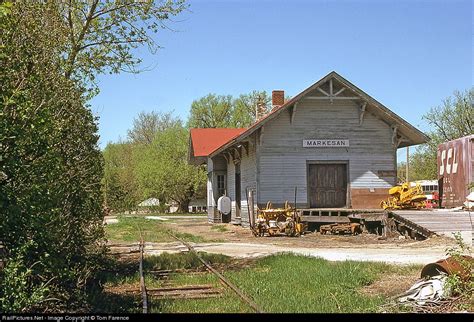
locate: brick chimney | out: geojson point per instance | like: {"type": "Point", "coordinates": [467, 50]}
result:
{"type": "Point", "coordinates": [278, 98]}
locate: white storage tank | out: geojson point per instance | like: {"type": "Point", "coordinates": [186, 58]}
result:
{"type": "Point", "coordinates": [224, 205]}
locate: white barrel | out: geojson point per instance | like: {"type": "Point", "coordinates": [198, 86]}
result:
{"type": "Point", "coordinates": [224, 205]}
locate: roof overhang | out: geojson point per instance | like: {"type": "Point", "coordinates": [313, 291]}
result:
{"type": "Point", "coordinates": [203, 141]}
{"type": "Point", "coordinates": [405, 134]}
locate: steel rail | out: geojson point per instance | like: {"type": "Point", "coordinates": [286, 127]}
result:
{"type": "Point", "coordinates": [226, 282]}
{"type": "Point", "coordinates": [142, 279]}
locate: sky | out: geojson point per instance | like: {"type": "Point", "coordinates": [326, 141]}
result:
{"type": "Point", "coordinates": [408, 55]}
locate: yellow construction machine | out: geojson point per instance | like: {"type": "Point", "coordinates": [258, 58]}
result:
{"type": "Point", "coordinates": [408, 195]}
{"type": "Point", "coordinates": [278, 221]}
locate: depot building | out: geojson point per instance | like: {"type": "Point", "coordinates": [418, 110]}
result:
{"type": "Point", "coordinates": [332, 144]}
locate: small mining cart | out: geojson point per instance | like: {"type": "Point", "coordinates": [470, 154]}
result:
{"type": "Point", "coordinates": [278, 221]}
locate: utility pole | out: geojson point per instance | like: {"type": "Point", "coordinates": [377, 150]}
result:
{"type": "Point", "coordinates": [408, 160]}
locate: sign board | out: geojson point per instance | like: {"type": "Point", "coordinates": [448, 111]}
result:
{"type": "Point", "coordinates": [319, 143]}
{"type": "Point", "coordinates": [387, 173]}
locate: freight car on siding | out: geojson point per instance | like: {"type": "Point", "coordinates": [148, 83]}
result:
{"type": "Point", "coordinates": [455, 170]}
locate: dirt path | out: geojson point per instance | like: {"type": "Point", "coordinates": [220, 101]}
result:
{"type": "Point", "coordinates": [239, 242]}
{"type": "Point", "coordinates": [394, 255]}
{"type": "Point", "coordinates": [233, 233]}
{"type": "Point", "coordinates": [388, 255]}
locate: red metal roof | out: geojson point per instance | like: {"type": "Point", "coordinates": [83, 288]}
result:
{"type": "Point", "coordinates": [205, 141]}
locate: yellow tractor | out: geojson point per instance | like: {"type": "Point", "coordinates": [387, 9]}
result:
{"type": "Point", "coordinates": [277, 221]}
{"type": "Point", "coordinates": [406, 196]}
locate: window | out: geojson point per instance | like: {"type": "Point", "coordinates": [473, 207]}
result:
{"type": "Point", "coordinates": [220, 185]}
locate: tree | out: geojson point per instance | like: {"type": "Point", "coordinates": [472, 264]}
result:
{"type": "Point", "coordinates": [50, 164]}
{"type": "Point", "coordinates": [147, 125]}
{"type": "Point", "coordinates": [120, 183]}
{"type": "Point", "coordinates": [163, 169]}
{"type": "Point", "coordinates": [211, 111]}
{"type": "Point", "coordinates": [214, 111]}
{"type": "Point", "coordinates": [452, 120]}
{"type": "Point", "coordinates": [245, 106]}
{"type": "Point", "coordinates": [102, 34]}
{"type": "Point", "coordinates": [50, 199]}
{"type": "Point", "coordinates": [153, 163]}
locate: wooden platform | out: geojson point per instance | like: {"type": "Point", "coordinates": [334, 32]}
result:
{"type": "Point", "coordinates": [325, 219]}
{"type": "Point", "coordinates": [442, 222]}
{"type": "Point", "coordinates": [335, 211]}
{"type": "Point", "coordinates": [334, 215]}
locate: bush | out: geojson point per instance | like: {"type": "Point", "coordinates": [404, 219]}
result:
{"type": "Point", "coordinates": [50, 200]}
{"type": "Point", "coordinates": [19, 292]}
{"type": "Point", "coordinates": [455, 284]}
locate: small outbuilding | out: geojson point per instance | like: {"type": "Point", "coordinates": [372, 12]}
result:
{"type": "Point", "coordinates": [332, 142]}
{"type": "Point", "coordinates": [197, 205]}
{"type": "Point", "coordinates": [150, 202]}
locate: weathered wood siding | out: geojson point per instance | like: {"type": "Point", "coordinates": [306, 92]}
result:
{"type": "Point", "coordinates": [211, 203]}
{"type": "Point", "coordinates": [231, 186]}
{"type": "Point", "coordinates": [283, 161]}
{"type": "Point", "coordinates": [215, 166]}
{"type": "Point", "coordinates": [220, 168]}
{"type": "Point", "coordinates": [248, 170]}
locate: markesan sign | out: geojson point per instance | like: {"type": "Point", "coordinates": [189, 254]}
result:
{"type": "Point", "coordinates": [317, 143]}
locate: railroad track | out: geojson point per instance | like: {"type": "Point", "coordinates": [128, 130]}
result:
{"type": "Point", "coordinates": [188, 291]}
{"type": "Point", "coordinates": [222, 279]}
{"type": "Point", "coordinates": [142, 278]}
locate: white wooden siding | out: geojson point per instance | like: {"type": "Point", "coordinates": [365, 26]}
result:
{"type": "Point", "coordinates": [248, 175]}
{"type": "Point", "coordinates": [231, 186]}
{"type": "Point", "coordinates": [283, 160]}
{"type": "Point", "coordinates": [211, 204]}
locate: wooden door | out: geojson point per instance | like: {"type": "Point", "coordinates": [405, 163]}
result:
{"type": "Point", "coordinates": [327, 185]}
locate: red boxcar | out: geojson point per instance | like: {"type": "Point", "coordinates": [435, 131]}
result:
{"type": "Point", "coordinates": [455, 170]}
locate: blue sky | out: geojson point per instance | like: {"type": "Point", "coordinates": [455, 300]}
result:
{"type": "Point", "coordinates": [409, 55]}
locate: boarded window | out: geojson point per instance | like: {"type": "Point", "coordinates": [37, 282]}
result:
{"type": "Point", "coordinates": [220, 185]}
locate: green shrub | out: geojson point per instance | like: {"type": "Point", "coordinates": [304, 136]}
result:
{"type": "Point", "coordinates": [455, 284]}
{"type": "Point", "coordinates": [20, 291]}
{"type": "Point", "coordinates": [50, 200]}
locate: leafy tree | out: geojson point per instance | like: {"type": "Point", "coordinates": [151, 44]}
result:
{"type": "Point", "coordinates": [147, 125]}
{"type": "Point", "coordinates": [214, 111]}
{"type": "Point", "coordinates": [50, 199]}
{"type": "Point", "coordinates": [163, 169]}
{"type": "Point", "coordinates": [121, 189]}
{"type": "Point", "coordinates": [451, 120]}
{"type": "Point", "coordinates": [245, 106]}
{"type": "Point", "coordinates": [423, 163]}
{"type": "Point", "coordinates": [102, 34]}
{"type": "Point", "coordinates": [50, 164]}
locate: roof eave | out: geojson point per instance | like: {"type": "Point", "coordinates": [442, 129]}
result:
{"type": "Point", "coordinates": [417, 137]}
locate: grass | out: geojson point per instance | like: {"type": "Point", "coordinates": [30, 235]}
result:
{"type": "Point", "coordinates": [289, 283]}
{"type": "Point", "coordinates": [128, 230]}
{"type": "Point", "coordinates": [219, 228]}
{"type": "Point", "coordinates": [203, 214]}
{"type": "Point", "coordinates": [161, 214]}
{"type": "Point", "coordinates": [182, 261]}
{"type": "Point", "coordinates": [123, 275]}
{"type": "Point", "coordinates": [278, 284]}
